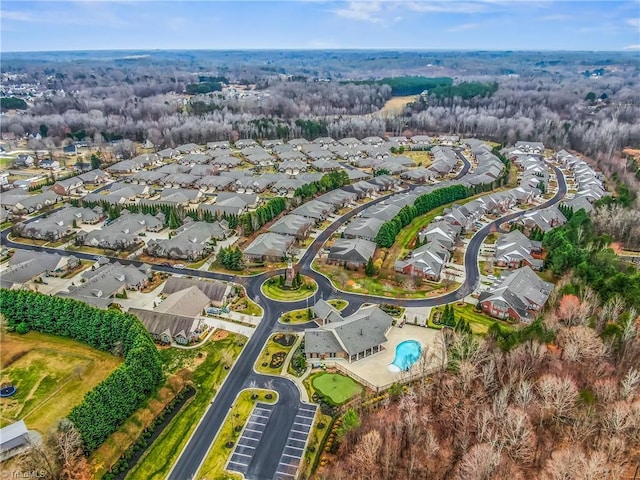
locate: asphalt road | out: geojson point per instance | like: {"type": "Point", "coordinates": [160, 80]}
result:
{"type": "Point", "coordinates": [264, 462]}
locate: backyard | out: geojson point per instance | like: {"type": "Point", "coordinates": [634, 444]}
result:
{"type": "Point", "coordinates": [478, 321]}
{"type": "Point", "coordinates": [334, 387]}
{"type": "Point", "coordinates": [206, 367]}
{"type": "Point", "coordinates": [52, 375]}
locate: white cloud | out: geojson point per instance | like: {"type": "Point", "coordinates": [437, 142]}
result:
{"type": "Point", "coordinates": [463, 27]}
{"type": "Point", "coordinates": [632, 47]}
{"type": "Point", "coordinates": [448, 7]}
{"type": "Point", "coordinates": [362, 11]}
{"type": "Point", "coordinates": [634, 22]}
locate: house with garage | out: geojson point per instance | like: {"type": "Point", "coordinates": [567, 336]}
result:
{"type": "Point", "coordinates": [339, 198]}
{"type": "Point", "coordinates": [382, 211]}
{"type": "Point", "coordinates": [34, 203]}
{"type": "Point", "coordinates": [68, 186]}
{"type": "Point", "coordinates": [365, 228]}
{"type": "Point", "coordinates": [269, 247]}
{"type": "Point", "coordinates": [168, 154]}
{"type": "Point", "coordinates": [123, 233]}
{"type": "Point", "coordinates": [442, 231]}
{"type": "Point", "coordinates": [246, 143]}
{"type": "Point", "coordinates": [352, 338]}
{"type": "Point", "coordinates": [188, 148]}
{"type": "Point", "coordinates": [58, 224]}
{"type": "Point", "coordinates": [25, 266]}
{"type": "Point", "coordinates": [192, 241]}
{"type": "Point", "coordinates": [14, 440]}
{"type": "Point", "coordinates": [216, 291]}
{"type": "Point", "coordinates": [315, 209]}
{"type": "Point", "coordinates": [23, 161]}
{"type": "Point", "coordinates": [220, 145]}
{"type": "Point", "coordinates": [297, 143]}
{"type": "Point", "coordinates": [351, 252]}
{"type": "Point", "coordinates": [545, 219]}
{"type": "Point", "coordinates": [168, 328]}
{"type": "Point", "coordinates": [292, 167]}
{"type": "Point", "coordinates": [94, 177]}
{"type": "Point", "coordinates": [426, 261]}
{"type": "Point", "coordinates": [536, 148]}
{"type": "Point", "coordinates": [100, 285]}
{"type": "Point", "coordinates": [422, 140]}
{"type": "Point", "coordinates": [519, 296]}
{"type": "Point", "coordinates": [515, 250]}
{"type": "Point", "coordinates": [295, 225]}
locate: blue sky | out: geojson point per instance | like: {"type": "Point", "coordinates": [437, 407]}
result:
{"type": "Point", "coordinates": [314, 24]}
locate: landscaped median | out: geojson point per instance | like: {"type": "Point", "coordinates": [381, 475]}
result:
{"type": "Point", "coordinates": [274, 353]}
{"type": "Point", "coordinates": [230, 431]}
{"type": "Point", "coordinates": [274, 289]}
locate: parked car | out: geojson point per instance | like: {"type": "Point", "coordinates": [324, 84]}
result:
{"type": "Point", "coordinates": [179, 266]}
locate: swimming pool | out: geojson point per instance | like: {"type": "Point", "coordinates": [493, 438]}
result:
{"type": "Point", "coordinates": [407, 353]}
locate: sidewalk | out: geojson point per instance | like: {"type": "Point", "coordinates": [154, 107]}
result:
{"type": "Point", "coordinates": [230, 326]}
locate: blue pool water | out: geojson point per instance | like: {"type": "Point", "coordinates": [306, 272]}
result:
{"type": "Point", "coordinates": [407, 353]}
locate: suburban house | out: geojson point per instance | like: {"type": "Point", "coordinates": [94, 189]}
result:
{"type": "Point", "coordinates": [515, 250]}
{"type": "Point", "coordinates": [422, 140]}
{"type": "Point", "coordinates": [167, 328]}
{"type": "Point", "coordinates": [33, 203]}
{"type": "Point", "coordinates": [59, 224]}
{"type": "Point", "coordinates": [352, 338]}
{"type": "Point", "coordinates": [314, 209]}
{"type": "Point", "coordinates": [123, 233]}
{"type": "Point", "coordinates": [269, 247]}
{"type": "Point", "coordinates": [217, 292]}
{"type": "Point", "coordinates": [168, 154]}
{"type": "Point", "coordinates": [94, 177]}
{"type": "Point", "coordinates": [23, 161]}
{"type": "Point", "coordinates": [545, 219]}
{"type": "Point", "coordinates": [519, 296]}
{"type": "Point", "coordinates": [365, 228]}
{"type": "Point", "coordinates": [49, 164]}
{"type": "Point", "coordinates": [351, 252]}
{"type": "Point", "coordinates": [426, 261]}
{"type": "Point", "coordinates": [188, 148]}
{"type": "Point", "coordinates": [68, 186]}
{"type": "Point", "coordinates": [295, 225]}
{"type": "Point", "coordinates": [191, 241]}
{"type": "Point", "coordinates": [441, 231]}
{"type": "Point", "coordinates": [339, 197]}
{"type": "Point", "coordinates": [381, 211]}
{"type": "Point", "coordinates": [24, 266]}
{"type": "Point", "coordinates": [108, 280]}
{"type": "Point", "coordinates": [530, 147]}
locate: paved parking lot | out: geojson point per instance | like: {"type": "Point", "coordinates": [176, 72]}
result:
{"type": "Point", "coordinates": [296, 443]}
{"type": "Point", "coordinates": [250, 438]}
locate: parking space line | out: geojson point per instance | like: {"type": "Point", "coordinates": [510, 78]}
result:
{"type": "Point", "coordinates": [298, 431]}
{"type": "Point", "coordinates": [295, 448]}
{"type": "Point", "coordinates": [246, 446]}
{"type": "Point", "coordinates": [242, 454]}
{"type": "Point", "coordinates": [303, 424]}
{"type": "Point", "coordinates": [239, 463]}
{"type": "Point", "coordinates": [291, 456]}
{"type": "Point", "coordinates": [255, 431]}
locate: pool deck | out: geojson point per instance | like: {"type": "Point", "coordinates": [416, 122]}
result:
{"type": "Point", "coordinates": [373, 369]}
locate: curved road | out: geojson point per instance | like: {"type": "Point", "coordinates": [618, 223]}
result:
{"type": "Point", "coordinates": [264, 463]}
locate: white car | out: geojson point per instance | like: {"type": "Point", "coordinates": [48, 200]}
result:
{"type": "Point", "coordinates": [179, 266]}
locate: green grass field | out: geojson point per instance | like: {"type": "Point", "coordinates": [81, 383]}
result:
{"type": "Point", "coordinates": [336, 387]}
{"type": "Point", "coordinates": [208, 374]}
{"type": "Point", "coordinates": [52, 375]}
{"type": "Point", "coordinates": [271, 288]}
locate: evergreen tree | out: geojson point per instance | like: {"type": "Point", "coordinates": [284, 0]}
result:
{"type": "Point", "coordinates": [369, 269]}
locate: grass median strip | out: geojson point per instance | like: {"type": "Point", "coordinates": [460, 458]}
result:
{"type": "Point", "coordinates": [206, 369]}
{"type": "Point", "coordinates": [274, 353]}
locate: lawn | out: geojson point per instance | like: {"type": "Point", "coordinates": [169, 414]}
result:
{"type": "Point", "coordinates": [206, 370]}
{"type": "Point", "coordinates": [297, 316]}
{"type": "Point", "coordinates": [335, 387]}
{"type": "Point", "coordinates": [218, 455]}
{"type": "Point", "coordinates": [395, 105]}
{"type": "Point", "coordinates": [316, 440]}
{"type": "Point", "coordinates": [338, 303]}
{"type": "Point", "coordinates": [244, 304]}
{"type": "Point", "coordinates": [358, 282]}
{"type": "Point", "coordinates": [216, 266]}
{"type": "Point", "coordinates": [421, 157]}
{"type": "Point", "coordinates": [478, 321]}
{"type": "Point", "coordinates": [271, 288]}
{"type": "Point", "coordinates": [52, 375]}
{"type": "Point", "coordinates": [271, 360]}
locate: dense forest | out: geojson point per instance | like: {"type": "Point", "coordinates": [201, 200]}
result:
{"type": "Point", "coordinates": [588, 102]}
{"type": "Point", "coordinates": [111, 402]}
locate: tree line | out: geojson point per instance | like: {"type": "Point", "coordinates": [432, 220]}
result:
{"type": "Point", "coordinates": [329, 181]}
{"type": "Point", "coordinates": [112, 401]}
{"type": "Point", "coordinates": [424, 203]}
